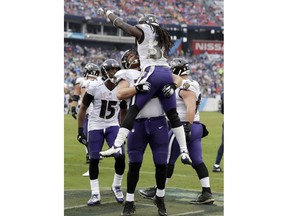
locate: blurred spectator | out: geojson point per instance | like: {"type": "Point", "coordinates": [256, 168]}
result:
{"type": "Point", "coordinates": [195, 12]}
{"type": "Point", "coordinates": [206, 69]}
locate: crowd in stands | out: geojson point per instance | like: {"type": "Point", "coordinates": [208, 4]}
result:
{"type": "Point", "coordinates": [194, 12]}
{"type": "Point", "coordinates": [208, 70]}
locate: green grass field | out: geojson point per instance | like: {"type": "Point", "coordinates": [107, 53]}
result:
{"type": "Point", "coordinates": [184, 176]}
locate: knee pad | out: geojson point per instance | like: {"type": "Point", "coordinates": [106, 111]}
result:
{"type": "Point", "coordinates": [173, 117]}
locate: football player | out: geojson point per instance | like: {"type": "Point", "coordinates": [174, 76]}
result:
{"type": "Point", "coordinates": [103, 125]}
{"type": "Point", "coordinates": [153, 44]}
{"type": "Point", "coordinates": [150, 127]}
{"type": "Point", "coordinates": [188, 98]}
{"type": "Point", "coordinates": [91, 72]}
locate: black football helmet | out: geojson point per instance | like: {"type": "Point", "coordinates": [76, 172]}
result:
{"type": "Point", "coordinates": [92, 70]}
{"type": "Point", "coordinates": [126, 62]}
{"type": "Point", "coordinates": [106, 66]}
{"type": "Point", "coordinates": [149, 19]}
{"type": "Point", "coordinates": [179, 66]}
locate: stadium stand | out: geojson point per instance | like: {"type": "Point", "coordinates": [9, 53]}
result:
{"type": "Point", "coordinates": [207, 68]}
{"type": "Point", "coordinates": [197, 12]}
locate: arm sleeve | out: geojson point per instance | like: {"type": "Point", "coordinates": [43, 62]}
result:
{"type": "Point", "coordinates": [87, 99]}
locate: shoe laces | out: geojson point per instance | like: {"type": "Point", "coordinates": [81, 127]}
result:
{"type": "Point", "coordinates": [95, 196]}
{"type": "Point", "coordinates": [118, 190]}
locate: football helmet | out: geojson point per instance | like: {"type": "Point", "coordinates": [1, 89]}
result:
{"type": "Point", "coordinates": [149, 19]}
{"type": "Point", "coordinates": [130, 59]}
{"type": "Point", "coordinates": [179, 66]}
{"type": "Point", "coordinates": [106, 66]}
{"type": "Point", "coordinates": [91, 70]}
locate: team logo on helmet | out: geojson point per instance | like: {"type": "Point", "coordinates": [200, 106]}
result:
{"type": "Point", "coordinates": [149, 19]}
{"type": "Point", "coordinates": [92, 70]}
{"type": "Point", "coordinates": [179, 66]}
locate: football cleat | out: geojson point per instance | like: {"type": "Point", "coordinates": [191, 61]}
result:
{"type": "Point", "coordinates": [216, 169]}
{"type": "Point", "coordinates": [159, 202]}
{"type": "Point", "coordinates": [129, 208]}
{"type": "Point", "coordinates": [148, 193]}
{"type": "Point", "coordinates": [94, 200]}
{"type": "Point", "coordinates": [204, 198]}
{"type": "Point", "coordinates": [86, 174]}
{"type": "Point", "coordinates": [113, 151]}
{"type": "Point", "coordinates": [118, 193]}
{"type": "Point", "coordinates": [185, 159]}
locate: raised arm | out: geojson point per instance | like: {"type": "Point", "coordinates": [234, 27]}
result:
{"type": "Point", "coordinates": [119, 23]}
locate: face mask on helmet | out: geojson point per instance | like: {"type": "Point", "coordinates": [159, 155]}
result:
{"type": "Point", "coordinates": [107, 67]}
{"type": "Point", "coordinates": [149, 19]}
{"type": "Point", "coordinates": [179, 66]}
{"type": "Point", "coordinates": [91, 70]}
{"type": "Point", "coordinates": [130, 59]}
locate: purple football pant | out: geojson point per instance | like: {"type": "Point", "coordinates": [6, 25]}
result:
{"type": "Point", "coordinates": [160, 76]}
{"type": "Point", "coordinates": [85, 125]}
{"type": "Point", "coordinates": [96, 140]}
{"type": "Point", "coordinates": [149, 130]}
{"type": "Point", "coordinates": [194, 147]}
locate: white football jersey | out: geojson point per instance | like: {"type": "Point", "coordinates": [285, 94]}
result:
{"type": "Point", "coordinates": [149, 51]}
{"type": "Point", "coordinates": [84, 83]}
{"type": "Point", "coordinates": [190, 85]}
{"type": "Point", "coordinates": [105, 106]}
{"type": "Point", "coordinates": [153, 107]}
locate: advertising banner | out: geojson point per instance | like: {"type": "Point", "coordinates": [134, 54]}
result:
{"type": "Point", "coordinates": [211, 47]}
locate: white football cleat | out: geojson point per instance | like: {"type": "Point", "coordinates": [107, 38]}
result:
{"type": "Point", "coordinates": [118, 193]}
{"type": "Point", "coordinates": [185, 158]}
{"type": "Point", "coordinates": [94, 200]}
{"type": "Point", "coordinates": [113, 151]}
{"type": "Point", "coordinates": [86, 174]}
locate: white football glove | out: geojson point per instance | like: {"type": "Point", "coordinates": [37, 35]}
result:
{"type": "Point", "coordinates": [143, 87]}
{"type": "Point", "coordinates": [100, 11]}
{"type": "Point", "coordinates": [104, 11]}
{"type": "Point", "coordinates": [169, 89]}
{"type": "Point", "coordinates": [185, 159]}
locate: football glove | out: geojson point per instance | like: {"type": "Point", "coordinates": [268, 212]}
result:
{"type": "Point", "coordinates": [100, 11]}
{"type": "Point", "coordinates": [143, 87]}
{"type": "Point", "coordinates": [169, 89]}
{"type": "Point", "coordinates": [81, 136]}
{"type": "Point", "coordinates": [185, 159]}
{"type": "Point", "coordinates": [187, 129]}
{"type": "Point", "coordinates": [104, 11]}
{"type": "Point", "coordinates": [74, 113]}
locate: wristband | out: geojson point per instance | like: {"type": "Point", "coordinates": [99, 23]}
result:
{"type": "Point", "coordinates": [115, 20]}
{"type": "Point", "coordinates": [174, 86]}
{"type": "Point", "coordinates": [108, 12]}
{"type": "Point", "coordinates": [75, 98]}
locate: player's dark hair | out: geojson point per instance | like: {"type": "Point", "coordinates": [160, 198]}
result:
{"type": "Point", "coordinates": [163, 38]}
